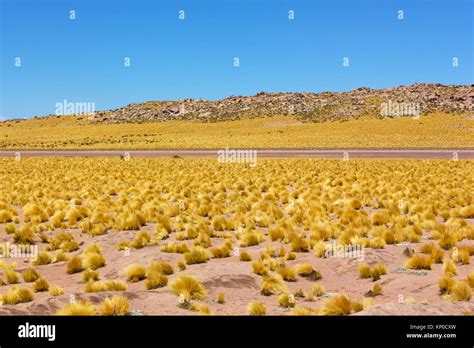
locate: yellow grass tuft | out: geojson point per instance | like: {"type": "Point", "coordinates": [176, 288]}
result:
{"type": "Point", "coordinates": [55, 291]}
{"type": "Point", "coordinates": [337, 305]}
{"type": "Point", "coordinates": [220, 298]}
{"type": "Point", "coordinates": [42, 258]}
{"type": "Point", "coordinates": [61, 256]}
{"type": "Point", "coordinates": [11, 276]}
{"type": "Point", "coordinates": [273, 284]}
{"type": "Point", "coordinates": [461, 291]}
{"type": "Point", "coordinates": [419, 262]}
{"type": "Point", "coordinates": [380, 217]}
{"type": "Point", "coordinates": [155, 280]}
{"type": "Point", "coordinates": [116, 305]}
{"type": "Point", "coordinates": [90, 275]}
{"type": "Point", "coordinates": [24, 235]}
{"type": "Point", "coordinates": [245, 256]}
{"type": "Point", "coordinates": [188, 288]}
{"type": "Point", "coordinates": [40, 285]}
{"type": "Point", "coordinates": [181, 266]}
{"type": "Point", "coordinates": [256, 308]}
{"type": "Point", "coordinates": [248, 239]}
{"type": "Point", "coordinates": [307, 271]}
{"type": "Point", "coordinates": [196, 255]}
{"type": "Point", "coordinates": [449, 267]}
{"type": "Point", "coordinates": [470, 279]}
{"type": "Point", "coordinates": [259, 268]}
{"type": "Point", "coordinates": [288, 274]}
{"type": "Point", "coordinates": [135, 272]}
{"type": "Point", "coordinates": [17, 295]}
{"type": "Point", "coordinates": [446, 284]}
{"type": "Point", "coordinates": [161, 267]}
{"type": "Point", "coordinates": [74, 265]}
{"type": "Point", "coordinates": [93, 260]}
{"type": "Point", "coordinates": [286, 300]}
{"type": "Point", "coordinates": [364, 271]}
{"type": "Point", "coordinates": [79, 308]}
{"type": "Point", "coordinates": [30, 275]}
{"type": "Point", "coordinates": [105, 285]}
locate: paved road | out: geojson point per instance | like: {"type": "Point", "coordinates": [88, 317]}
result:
{"type": "Point", "coordinates": [277, 153]}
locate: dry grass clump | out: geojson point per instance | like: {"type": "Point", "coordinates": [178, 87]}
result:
{"type": "Point", "coordinates": [376, 291]}
{"type": "Point", "coordinates": [340, 305]}
{"type": "Point", "coordinates": [375, 273]}
{"type": "Point", "coordinates": [300, 245]}
{"type": "Point", "coordinates": [287, 273]}
{"type": "Point", "coordinates": [222, 251]}
{"type": "Point", "coordinates": [461, 255]}
{"type": "Point", "coordinates": [17, 295]}
{"type": "Point", "coordinates": [74, 265]}
{"type": "Point", "coordinates": [63, 241]}
{"type": "Point", "coordinates": [470, 279]}
{"type": "Point", "coordinates": [196, 255]}
{"type": "Point", "coordinates": [446, 284]}
{"type": "Point", "coordinates": [92, 257]}
{"type": "Point", "coordinates": [24, 235]}
{"type": "Point", "coordinates": [364, 271]}
{"type": "Point", "coordinates": [436, 253]}
{"type": "Point", "coordinates": [380, 217]}
{"type": "Point", "coordinates": [115, 306]}
{"type": "Point", "coordinates": [181, 265]}
{"type": "Point", "coordinates": [307, 271]}
{"type": "Point", "coordinates": [256, 308]}
{"type": "Point", "coordinates": [40, 285]}
{"type": "Point", "coordinates": [105, 285]}
{"type": "Point", "coordinates": [248, 239]}
{"type": "Point", "coordinates": [55, 291]}
{"type": "Point", "coordinates": [273, 284]}
{"type": "Point", "coordinates": [178, 248]}
{"type": "Point", "coordinates": [220, 298]}
{"type": "Point", "coordinates": [135, 272]}
{"type": "Point", "coordinates": [90, 275]}
{"type": "Point", "coordinates": [161, 267]}
{"type": "Point", "coordinates": [61, 256]}
{"type": "Point", "coordinates": [315, 291]}
{"type": "Point", "coordinates": [419, 262]}
{"type": "Point", "coordinates": [449, 268]}
{"type": "Point", "coordinates": [155, 281]}
{"type": "Point", "coordinates": [286, 300]}
{"type": "Point", "coordinates": [42, 258]}
{"type": "Point", "coordinates": [188, 288]}
{"type": "Point", "coordinates": [11, 275]}
{"type": "Point", "coordinates": [10, 228]}
{"type": "Point", "coordinates": [245, 256]}
{"type": "Point", "coordinates": [141, 240]}
{"type": "Point", "coordinates": [79, 308]}
{"type": "Point", "coordinates": [30, 275]}
{"type": "Point", "coordinates": [156, 275]}
{"type": "Point", "coordinates": [259, 268]}
{"type": "Point", "coordinates": [461, 291]}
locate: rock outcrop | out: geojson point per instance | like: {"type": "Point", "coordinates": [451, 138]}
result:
{"type": "Point", "coordinates": [310, 107]}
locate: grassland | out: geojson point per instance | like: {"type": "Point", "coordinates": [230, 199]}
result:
{"type": "Point", "coordinates": [67, 132]}
{"type": "Point", "coordinates": [194, 236]}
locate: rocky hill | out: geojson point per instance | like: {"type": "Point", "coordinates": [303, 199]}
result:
{"type": "Point", "coordinates": [422, 98]}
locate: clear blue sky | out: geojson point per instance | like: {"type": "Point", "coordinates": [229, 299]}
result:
{"type": "Point", "coordinates": [82, 60]}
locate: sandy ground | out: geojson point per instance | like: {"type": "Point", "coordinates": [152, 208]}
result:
{"type": "Point", "coordinates": [240, 285]}
{"type": "Point", "coordinates": [263, 153]}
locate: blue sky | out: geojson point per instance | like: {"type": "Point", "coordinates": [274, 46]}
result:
{"type": "Point", "coordinates": [82, 60]}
